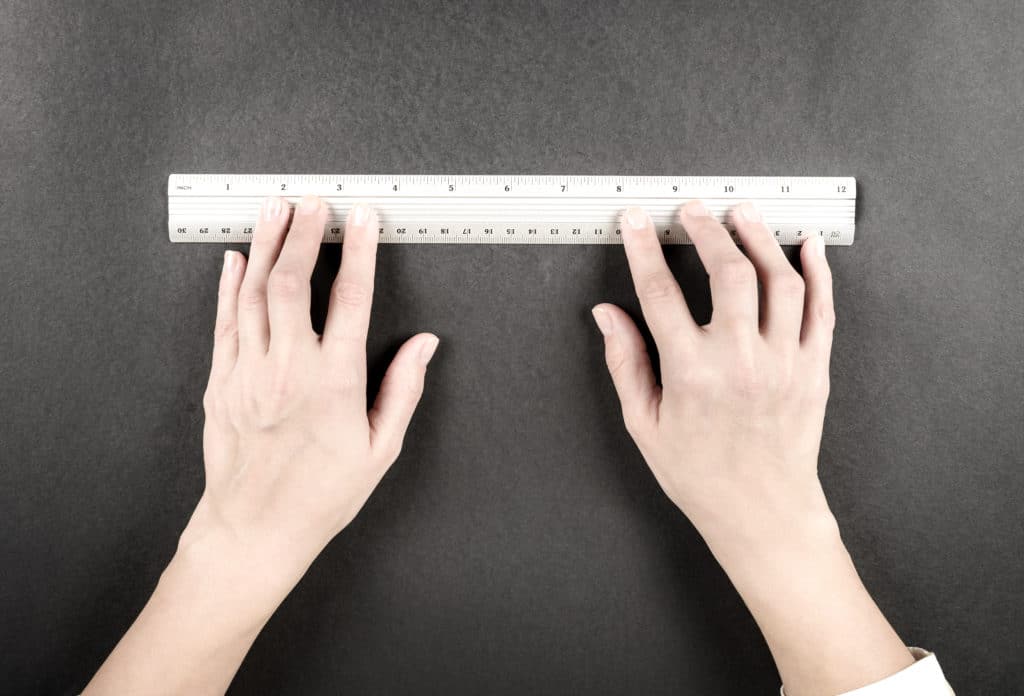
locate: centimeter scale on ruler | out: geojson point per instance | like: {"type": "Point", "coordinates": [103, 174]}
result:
{"type": "Point", "coordinates": [510, 209]}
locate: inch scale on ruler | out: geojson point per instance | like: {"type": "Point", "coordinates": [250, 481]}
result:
{"type": "Point", "coordinates": [510, 209]}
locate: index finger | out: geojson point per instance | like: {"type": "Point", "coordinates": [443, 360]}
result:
{"type": "Point", "coordinates": [288, 292]}
{"type": "Point", "coordinates": [661, 298]}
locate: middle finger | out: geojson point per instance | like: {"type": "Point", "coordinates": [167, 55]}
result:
{"type": "Point", "coordinates": [732, 277]}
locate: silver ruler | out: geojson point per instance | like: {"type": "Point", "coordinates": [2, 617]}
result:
{"type": "Point", "coordinates": [509, 209]}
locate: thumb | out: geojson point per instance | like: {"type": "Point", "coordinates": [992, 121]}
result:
{"type": "Point", "coordinates": [399, 394]}
{"type": "Point", "coordinates": [630, 368]}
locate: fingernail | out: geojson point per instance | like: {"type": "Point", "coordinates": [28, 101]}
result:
{"type": "Point", "coordinates": [819, 247]}
{"type": "Point", "coordinates": [309, 204]}
{"type": "Point", "coordinates": [748, 212]}
{"type": "Point", "coordinates": [428, 348]}
{"type": "Point", "coordinates": [695, 209]}
{"type": "Point", "coordinates": [603, 320]}
{"type": "Point", "coordinates": [360, 214]}
{"type": "Point", "coordinates": [230, 261]}
{"type": "Point", "coordinates": [637, 218]}
{"type": "Point", "coordinates": [271, 208]}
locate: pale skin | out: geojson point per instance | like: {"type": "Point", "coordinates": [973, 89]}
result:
{"type": "Point", "coordinates": [731, 433]}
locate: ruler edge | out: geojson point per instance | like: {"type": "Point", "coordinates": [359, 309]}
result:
{"type": "Point", "coordinates": [850, 181]}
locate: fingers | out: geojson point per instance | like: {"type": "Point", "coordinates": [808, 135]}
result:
{"type": "Point", "coordinates": [288, 291]}
{"type": "Point", "coordinates": [630, 368]}
{"type": "Point", "coordinates": [400, 392]}
{"type": "Point", "coordinates": [348, 312]}
{"type": "Point", "coordinates": [782, 313]}
{"type": "Point", "coordinates": [253, 322]}
{"type": "Point", "coordinates": [819, 317]}
{"type": "Point", "coordinates": [732, 277]}
{"type": "Point", "coordinates": [225, 333]}
{"type": "Point", "coordinates": [661, 299]}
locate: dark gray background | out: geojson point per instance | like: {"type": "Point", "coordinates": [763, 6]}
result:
{"type": "Point", "coordinates": [519, 545]}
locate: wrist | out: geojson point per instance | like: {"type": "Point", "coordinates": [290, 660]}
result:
{"type": "Point", "coordinates": [219, 565]}
{"type": "Point", "coordinates": [267, 546]}
{"type": "Point", "coordinates": [795, 575]}
{"type": "Point", "coordinates": [801, 547]}
{"type": "Point", "coordinates": [765, 532]}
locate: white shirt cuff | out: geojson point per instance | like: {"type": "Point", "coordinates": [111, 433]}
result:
{"type": "Point", "coordinates": [923, 678]}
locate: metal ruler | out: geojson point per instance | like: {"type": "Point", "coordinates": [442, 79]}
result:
{"type": "Point", "coordinates": [510, 209]}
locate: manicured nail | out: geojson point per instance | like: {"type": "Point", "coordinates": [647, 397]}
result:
{"type": "Point", "coordinates": [309, 204]}
{"type": "Point", "coordinates": [637, 218]}
{"type": "Point", "coordinates": [271, 208]}
{"type": "Point", "coordinates": [603, 320]}
{"type": "Point", "coordinates": [428, 348]}
{"type": "Point", "coordinates": [230, 261]}
{"type": "Point", "coordinates": [695, 209]}
{"type": "Point", "coordinates": [748, 212]}
{"type": "Point", "coordinates": [360, 214]}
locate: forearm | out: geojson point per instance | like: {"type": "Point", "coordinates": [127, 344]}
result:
{"type": "Point", "coordinates": [826, 634]}
{"type": "Point", "coordinates": [211, 602]}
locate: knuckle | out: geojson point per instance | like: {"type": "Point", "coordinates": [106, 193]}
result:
{"type": "Point", "coordinates": [394, 448]}
{"type": "Point", "coordinates": [747, 383]}
{"type": "Point", "coordinates": [286, 284]}
{"type": "Point", "coordinates": [280, 392]}
{"type": "Point", "coordinates": [348, 381]}
{"type": "Point", "coordinates": [617, 361]}
{"type": "Point", "coordinates": [211, 401]}
{"type": "Point", "coordinates": [225, 328]}
{"type": "Point", "coordinates": [690, 377]}
{"type": "Point", "coordinates": [250, 297]}
{"type": "Point", "coordinates": [659, 285]}
{"type": "Point", "coordinates": [281, 387]}
{"type": "Point", "coordinates": [736, 272]}
{"type": "Point", "coordinates": [825, 315]}
{"type": "Point", "coordinates": [271, 402]}
{"type": "Point", "coordinates": [786, 374]}
{"type": "Point", "coordinates": [636, 424]}
{"type": "Point", "coordinates": [390, 452]}
{"type": "Point", "coordinates": [789, 286]}
{"type": "Point", "coordinates": [350, 294]}
{"type": "Point", "coordinates": [748, 379]}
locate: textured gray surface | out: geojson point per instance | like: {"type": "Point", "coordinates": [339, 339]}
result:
{"type": "Point", "coordinates": [519, 545]}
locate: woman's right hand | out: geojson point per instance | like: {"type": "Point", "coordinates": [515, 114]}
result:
{"type": "Point", "coordinates": [732, 435]}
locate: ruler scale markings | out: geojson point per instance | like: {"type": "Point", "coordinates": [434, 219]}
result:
{"type": "Point", "coordinates": [510, 209]}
